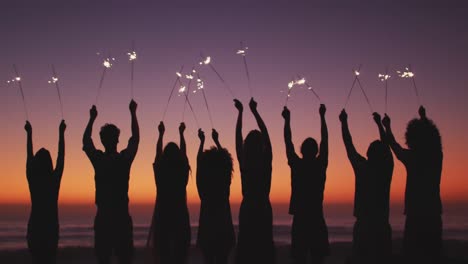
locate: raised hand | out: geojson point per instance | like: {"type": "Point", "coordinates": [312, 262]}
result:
{"type": "Point", "coordinates": [93, 112]}
{"type": "Point", "coordinates": [322, 110]}
{"type": "Point", "coordinates": [286, 113]}
{"type": "Point", "coordinates": [182, 128]}
{"type": "Point", "coordinates": [201, 134]}
{"type": "Point", "coordinates": [253, 105]}
{"type": "Point", "coordinates": [215, 135]}
{"type": "Point", "coordinates": [377, 118]}
{"type": "Point", "coordinates": [62, 126]}
{"type": "Point", "coordinates": [386, 121]}
{"type": "Point", "coordinates": [238, 105]}
{"type": "Point", "coordinates": [28, 127]}
{"type": "Point", "coordinates": [161, 128]}
{"type": "Point", "coordinates": [133, 106]}
{"type": "Point", "coordinates": [422, 112]}
{"type": "Point", "coordinates": [343, 116]}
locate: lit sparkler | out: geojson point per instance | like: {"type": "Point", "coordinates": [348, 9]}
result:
{"type": "Point", "coordinates": [107, 63]}
{"type": "Point", "coordinates": [18, 80]}
{"type": "Point", "coordinates": [206, 60]}
{"type": "Point", "coordinates": [132, 56]}
{"type": "Point", "coordinates": [243, 52]}
{"type": "Point", "coordinates": [54, 80]}
{"type": "Point", "coordinates": [408, 73]}
{"type": "Point", "coordinates": [384, 78]}
{"type": "Point", "coordinates": [179, 75]}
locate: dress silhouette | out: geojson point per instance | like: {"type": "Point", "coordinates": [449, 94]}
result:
{"type": "Point", "coordinates": [309, 234]}
{"type": "Point", "coordinates": [216, 236]}
{"type": "Point", "coordinates": [255, 239]}
{"type": "Point", "coordinates": [170, 228]}
{"type": "Point", "coordinates": [113, 227]}
{"type": "Point", "coordinates": [44, 185]}
{"type": "Point", "coordinates": [372, 234]}
{"type": "Point", "coordinates": [422, 241]}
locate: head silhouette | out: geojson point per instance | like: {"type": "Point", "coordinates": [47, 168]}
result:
{"type": "Point", "coordinates": [110, 136]}
{"type": "Point", "coordinates": [423, 135]}
{"type": "Point", "coordinates": [309, 148]}
{"type": "Point", "coordinates": [377, 151]}
{"type": "Point", "coordinates": [42, 162]}
{"type": "Point", "coordinates": [171, 153]}
{"type": "Point", "coordinates": [253, 146]}
{"type": "Point", "coordinates": [216, 169]}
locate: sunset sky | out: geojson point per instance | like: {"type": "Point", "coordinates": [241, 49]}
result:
{"type": "Point", "coordinates": [323, 42]}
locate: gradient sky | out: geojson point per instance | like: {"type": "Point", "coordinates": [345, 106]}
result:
{"type": "Point", "coordinates": [321, 41]}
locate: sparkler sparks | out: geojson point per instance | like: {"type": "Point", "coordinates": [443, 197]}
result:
{"type": "Point", "coordinates": [107, 63]}
{"type": "Point", "coordinates": [384, 77]}
{"type": "Point", "coordinates": [179, 75]}
{"type": "Point", "coordinates": [408, 73]}
{"type": "Point", "coordinates": [132, 56]}
{"type": "Point", "coordinates": [357, 73]}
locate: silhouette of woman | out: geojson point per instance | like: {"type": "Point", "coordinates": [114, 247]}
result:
{"type": "Point", "coordinates": [422, 241]}
{"type": "Point", "coordinates": [215, 230]}
{"type": "Point", "coordinates": [44, 185]}
{"type": "Point", "coordinates": [372, 231]}
{"type": "Point", "coordinates": [170, 228]}
{"type": "Point", "coordinates": [309, 233]}
{"type": "Point", "coordinates": [255, 239]}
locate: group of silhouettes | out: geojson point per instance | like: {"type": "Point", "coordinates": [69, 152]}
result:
{"type": "Point", "coordinates": [170, 234]}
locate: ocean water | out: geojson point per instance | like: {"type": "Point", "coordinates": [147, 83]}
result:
{"type": "Point", "coordinates": [76, 223]}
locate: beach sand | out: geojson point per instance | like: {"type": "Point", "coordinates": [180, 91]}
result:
{"type": "Point", "coordinates": [456, 252]}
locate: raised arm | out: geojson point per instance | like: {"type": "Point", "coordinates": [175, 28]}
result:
{"type": "Point", "coordinates": [29, 143]}
{"type": "Point", "coordinates": [378, 121]}
{"type": "Point", "coordinates": [134, 141]}
{"type": "Point", "coordinates": [215, 136]}
{"type": "Point", "coordinates": [348, 141]}
{"type": "Point", "coordinates": [290, 152]}
{"type": "Point", "coordinates": [324, 133]}
{"type": "Point", "coordinates": [239, 138]}
{"type": "Point", "coordinates": [201, 136]}
{"type": "Point", "coordinates": [399, 151]}
{"type": "Point", "coordinates": [88, 145]}
{"type": "Point", "coordinates": [159, 145]}
{"type": "Point", "coordinates": [183, 147]}
{"type": "Point", "coordinates": [263, 129]}
{"type": "Point", "coordinates": [61, 151]}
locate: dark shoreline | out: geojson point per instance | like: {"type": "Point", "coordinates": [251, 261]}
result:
{"type": "Point", "coordinates": [456, 252]}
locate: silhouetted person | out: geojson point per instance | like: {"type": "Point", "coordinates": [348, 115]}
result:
{"type": "Point", "coordinates": [422, 240]}
{"type": "Point", "coordinates": [309, 234]}
{"type": "Point", "coordinates": [44, 185]}
{"type": "Point", "coordinates": [113, 227]}
{"type": "Point", "coordinates": [372, 232]}
{"type": "Point", "coordinates": [170, 229]}
{"type": "Point", "coordinates": [215, 230]}
{"type": "Point", "coordinates": [255, 238]}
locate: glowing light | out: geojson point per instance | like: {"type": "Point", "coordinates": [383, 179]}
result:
{"type": "Point", "coordinates": [182, 89]}
{"type": "Point", "coordinates": [206, 61]}
{"type": "Point", "coordinates": [53, 80]}
{"type": "Point", "coordinates": [107, 62]}
{"type": "Point", "coordinates": [189, 76]}
{"type": "Point", "coordinates": [179, 74]}
{"type": "Point", "coordinates": [200, 84]}
{"type": "Point", "coordinates": [384, 77]}
{"type": "Point", "coordinates": [301, 81]}
{"type": "Point", "coordinates": [291, 84]}
{"type": "Point", "coordinates": [18, 79]}
{"type": "Point", "coordinates": [406, 73]}
{"type": "Point", "coordinates": [132, 55]}
{"type": "Point", "coordinates": [357, 73]}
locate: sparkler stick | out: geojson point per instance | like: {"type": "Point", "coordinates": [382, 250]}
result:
{"type": "Point", "coordinates": [207, 61]}
{"type": "Point", "coordinates": [183, 91]}
{"type": "Point", "coordinates": [356, 73]}
{"type": "Point", "coordinates": [18, 79]}
{"type": "Point", "coordinates": [201, 86]}
{"type": "Point", "coordinates": [107, 65]}
{"type": "Point", "coordinates": [132, 56]}
{"type": "Point", "coordinates": [243, 52]}
{"type": "Point", "coordinates": [190, 78]}
{"type": "Point", "coordinates": [179, 74]}
{"type": "Point", "coordinates": [384, 78]}
{"type": "Point", "coordinates": [290, 87]}
{"type": "Point", "coordinates": [365, 95]}
{"type": "Point", "coordinates": [55, 81]}
{"type": "Point", "coordinates": [309, 87]}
